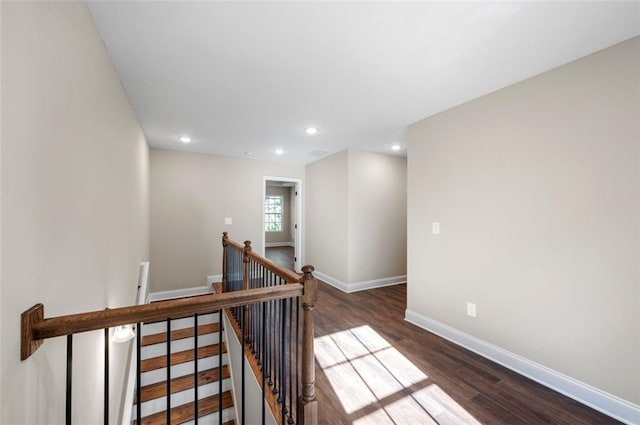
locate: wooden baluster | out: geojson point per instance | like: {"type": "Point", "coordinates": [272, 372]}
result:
{"type": "Point", "coordinates": [307, 403]}
{"type": "Point", "coordinates": [225, 243]}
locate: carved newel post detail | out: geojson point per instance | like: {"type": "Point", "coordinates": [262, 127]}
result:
{"type": "Point", "coordinates": [225, 243]}
{"type": "Point", "coordinates": [307, 401]}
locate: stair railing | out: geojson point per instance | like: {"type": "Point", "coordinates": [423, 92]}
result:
{"type": "Point", "coordinates": [35, 329]}
{"type": "Point", "coordinates": [278, 334]}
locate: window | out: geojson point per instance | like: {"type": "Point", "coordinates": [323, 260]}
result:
{"type": "Point", "coordinates": [273, 213]}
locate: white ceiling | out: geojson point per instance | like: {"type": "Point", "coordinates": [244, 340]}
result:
{"type": "Point", "coordinates": [240, 76]}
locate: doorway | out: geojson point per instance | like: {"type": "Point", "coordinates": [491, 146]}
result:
{"type": "Point", "coordinates": [282, 221]}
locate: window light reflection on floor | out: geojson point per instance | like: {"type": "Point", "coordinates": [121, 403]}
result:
{"type": "Point", "coordinates": [364, 369]}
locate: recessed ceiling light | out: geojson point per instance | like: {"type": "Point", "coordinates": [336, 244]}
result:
{"type": "Point", "coordinates": [311, 131]}
{"type": "Point", "coordinates": [279, 151]}
{"type": "Point", "coordinates": [185, 139]}
{"type": "Point", "coordinates": [396, 147]}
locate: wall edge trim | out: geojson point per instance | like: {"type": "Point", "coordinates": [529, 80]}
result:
{"type": "Point", "coordinates": [586, 394]}
{"type": "Point", "coordinates": [179, 293]}
{"type": "Point", "coordinates": [360, 286]}
{"type": "Point", "coordinates": [279, 244]}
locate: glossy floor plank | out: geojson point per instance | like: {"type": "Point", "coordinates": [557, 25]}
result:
{"type": "Point", "coordinates": [281, 255]}
{"type": "Point", "coordinates": [374, 368]}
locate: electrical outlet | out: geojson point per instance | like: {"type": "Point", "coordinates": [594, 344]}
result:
{"type": "Point", "coordinates": [471, 309]}
{"type": "Point", "coordinates": [435, 228]}
{"type": "Point", "coordinates": [227, 220]}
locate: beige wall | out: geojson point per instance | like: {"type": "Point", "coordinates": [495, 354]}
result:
{"type": "Point", "coordinates": [191, 194]}
{"type": "Point", "coordinates": [537, 187]}
{"type": "Point", "coordinates": [1, 290]}
{"type": "Point", "coordinates": [326, 202]}
{"type": "Point", "coordinates": [356, 216]}
{"type": "Point", "coordinates": [285, 235]}
{"type": "Point", "coordinates": [74, 205]}
{"type": "Point", "coordinates": [377, 216]}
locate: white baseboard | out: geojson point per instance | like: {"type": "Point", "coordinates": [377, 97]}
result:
{"type": "Point", "coordinates": [278, 244]}
{"type": "Point", "coordinates": [213, 279]}
{"type": "Point", "coordinates": [360, 286]}
{"type": "Point", "coordinates": [179, 293]}
{"type": "Point", "coordinates": [606, 403]}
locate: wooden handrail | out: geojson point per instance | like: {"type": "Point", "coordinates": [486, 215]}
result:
{"type": "Point", "coordinates": [288, 275]}
{"type": "Point", "coordinates": [35, 328]}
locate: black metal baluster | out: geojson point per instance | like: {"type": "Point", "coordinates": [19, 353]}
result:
{"type": "Point", "coordinates": [106, 376]}
{"type": "Point", "coordinates": [274, 345]}
{"type": "Point", "coordinates": [69, 366]}
{"type": "Point", "coordinates": [290, 365]}
{"type": "Point", "coordinates": [241, 276]}
{"type": "Point", "coordinates": [250, 315]}
{"type": "Point", "coordinates": [220, 329]}
{"type": "Point", "coordinates": [275, 328]}
{"type": "Point", "coordinates": [283, 360]}
{"type": "Point", "coordinates": [297, 356]}
{"type": "Point", "coordinates": [242, 328]}
{"type": "Point", "coordinates": [255, 326]}
{"type": "Point", "coordinates": [267, 337]}
{"type": "Point", "coordinates": [138, 374]}
{"type": "Point", "coordinates": [254, 321]}
{"type": "Point", "coordinates": [263, 345]}
{"type": "Point", "coordinates": [196, 384]}
{"type": "Point", "coordinates": [168, 371]}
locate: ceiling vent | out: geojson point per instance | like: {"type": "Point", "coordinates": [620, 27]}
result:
{"type": "Point", "coordinates": [318, 152]}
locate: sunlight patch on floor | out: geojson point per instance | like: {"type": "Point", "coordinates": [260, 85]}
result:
{"type": "Point", "coordinates": [351, 390]}
{"type": "Point", "coordinates": [442, 407]}
{"type": "Point", "coordinates": [408, 411]}
{"type": "Point", "coordinates": [363, 369]}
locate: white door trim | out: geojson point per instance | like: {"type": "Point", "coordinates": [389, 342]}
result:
{"type": "Point", "coordinates": [298, 217]}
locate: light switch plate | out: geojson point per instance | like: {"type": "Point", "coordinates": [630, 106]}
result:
{"type": "Point", "coordinates": [227, 220]}
{"type": "Point", "coordinates": [471, 309]}
{"type": "Point", "coordinates": [435, 228]}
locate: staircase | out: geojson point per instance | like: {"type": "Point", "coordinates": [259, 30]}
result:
{"type": "Point", "coordinates": [276, 339]}
{"type": "Point", "coordinates": [154, 373]}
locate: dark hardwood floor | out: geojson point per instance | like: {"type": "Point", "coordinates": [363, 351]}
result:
{"type": "Point", "coordinates": [372, 367]}
{"type": "Point", "coordinates": [281, 255]}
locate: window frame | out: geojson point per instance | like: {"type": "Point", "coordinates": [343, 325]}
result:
{"type": "Point", "coordinates": [275, 220]}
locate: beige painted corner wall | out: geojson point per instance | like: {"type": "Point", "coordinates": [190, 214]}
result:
{"type": "Point", "coordinates": [74, 205]}
{"type": "Point", "coordinates": [326, 202]}
{"type": "Point", "coordinates": [356, 216]}
{"type": "Point", "coordinates": [537, 190]}
{"type": "Point", "coordinates": [191, 194]}
{"type": "Point", "coordinates": [285, 235]}
{"type": "Point", "coordinates": [377, 216]}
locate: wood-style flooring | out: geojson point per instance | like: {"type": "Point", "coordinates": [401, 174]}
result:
{"type": "Point", "coordinates": [281, 255]}
{"type": "Point", "coordinates": [385, 370]}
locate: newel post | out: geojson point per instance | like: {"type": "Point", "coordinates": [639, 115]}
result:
{"type": "Point", "coordinates": [307, 400]}
{"type": "Point", "coordinates": [245, 260]}
{"type": "Point", "coordinates": [225, 243]}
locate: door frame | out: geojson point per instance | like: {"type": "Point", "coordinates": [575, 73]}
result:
{"type": "Point", "coordinates": [298, 218]}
